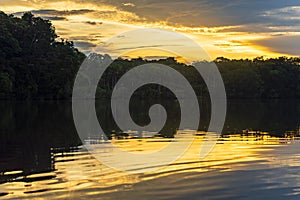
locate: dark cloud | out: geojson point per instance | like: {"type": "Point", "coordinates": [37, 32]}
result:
{"type": "Point", "coordinates": [93, 23]}
{"type": "Point", "coordinates": [145, 46]}
{"type": "Point", "coordinates": [55, 18]}
{"type": "Point", "coordinates": [282, 44]}
{"type": "Point", "coordinates": [254, 15]}
{"type": "Point", "coordinates": [262, 28]}
{"type": "Point", "coordinates": [94, 38]}
{"type": "Point", "coordinates": [62, 13]}
{"type": "Point", "coordinates": [55, 14]}
{"type": "Point", "coordinates": [84, 46]}
{"type": "Point", "coordinates": [211, 13]}
{"type": "Point", "coordinates": [96, 35]}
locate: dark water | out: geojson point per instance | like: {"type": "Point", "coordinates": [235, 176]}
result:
{"type": "Point", "coordinates": [41, 155]}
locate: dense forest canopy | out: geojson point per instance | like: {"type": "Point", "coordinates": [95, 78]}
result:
{"type": "Point", "coordinates": [273, 78]}
{"type": "Point", "coordinates": [33, 62]}
{"type": "Point", "coordinates": [36, 64]}
{"type": "Point", "coordinates": [261, 78]}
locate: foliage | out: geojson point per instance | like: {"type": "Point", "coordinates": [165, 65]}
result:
{"type": "Point", "coordinates": [261, 78]}
{"type": "Point", "coordinates": [33, 63]}
{"type": "Point", "coordinates": [6, 85]}
{"type": "Point", "coordinates": [258, 78]}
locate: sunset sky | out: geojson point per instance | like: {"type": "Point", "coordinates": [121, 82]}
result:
{"type": "Point", "coordinates": [230, 28]}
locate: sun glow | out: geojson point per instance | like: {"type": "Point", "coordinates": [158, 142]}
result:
{"type": "Point", "coordinates": [92, 23]}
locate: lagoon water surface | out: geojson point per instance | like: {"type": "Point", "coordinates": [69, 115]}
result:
{"type": "Point", "coordinates": [258, 156]}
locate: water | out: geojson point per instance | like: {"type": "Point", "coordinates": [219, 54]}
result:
{"type": "Point", "coordinates": [42, 157]}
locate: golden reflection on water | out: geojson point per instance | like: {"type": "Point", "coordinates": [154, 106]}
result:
{"type": "Point", "coordinates": [78, 175]}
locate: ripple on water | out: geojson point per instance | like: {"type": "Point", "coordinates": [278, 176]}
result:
{"type": "Point", "coordinates": [234, 169]}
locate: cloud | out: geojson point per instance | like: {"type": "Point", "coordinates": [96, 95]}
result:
{"type": "Point", "coordinates": [191, 13]}
{"type": "Point", "coordinates": [117, 16]}
{"type": "Point", "coordinates": [215, 23]}
{"type": "Point", "coordinates": [260, 28]}
{"type": "Point", "coordinates": [210, 13]}
{"type": "Point", "coordinates": [282, 44]}
{"type": "Point", "coordinates": [84, 45]}
{"type": "Point", "coordinates": [129, 4]}
{"type": "Point", "coordinates": [54, 15]}
{"type": "Point", "coordinates": [146, 46]}
{"type": "Point", "coordinates": [286, 13]}
{"type": "Point", "coordinates": [93, 23]}
{"type": "Point", "coordinates": [55, 18]}
{"type": "Point", "coordinates": [63, 12]}
{"type": "Point", "coordinates": [52, 12]}
{"type": "Point", "coordinates": [94, 38]}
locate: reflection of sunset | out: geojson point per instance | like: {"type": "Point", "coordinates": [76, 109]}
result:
{"type": "Point", "coordinates": [231, 149]}
{"type": "Point", "coordinates": [79, 174]}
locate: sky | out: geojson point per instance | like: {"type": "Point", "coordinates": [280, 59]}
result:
{"type": "Point", "coordinates": [229, 28]}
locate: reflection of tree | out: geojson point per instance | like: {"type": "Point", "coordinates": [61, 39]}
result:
{"type": "Point", "coordinates": [275, 117]}
{"type": "Point", "coordinates": [29, 132]}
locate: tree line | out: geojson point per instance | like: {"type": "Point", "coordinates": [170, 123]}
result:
{"type": "Point", "coordinates": [36, 64]}
{"type": "Point", "coordinates": [272, 78]}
